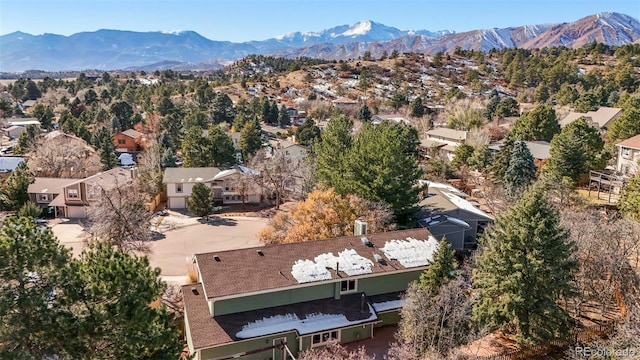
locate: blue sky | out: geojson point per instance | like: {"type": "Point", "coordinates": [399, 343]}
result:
{"type": "Point", "coordinates": [243, 20]}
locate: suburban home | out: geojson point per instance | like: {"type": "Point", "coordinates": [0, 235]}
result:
{"type": "Point", "coordinates": [230, 186]}
{"type": "Point", "coordinates": [8, 164]}
{"type": "Point", "coordinates": [14, 131]}
{"type": "Point", "coordinates": [28, 104]}
{"type": "Point", "coordinates": [599, 119]}
{"type": "Point", "coordinates": [129, 140]}
{"type": "Point", "coordinates": [23, 122]}
{"type": "Point", "coordinates": [345, 103]}
{"type": "Point", "coordinates": [70, 197]}
{"type": "Point", "coordinates": [275, 301]}
{"type": "Point", "coordinates": [291, 150]}
{"type": "Point", "coordinates": [445, 139]}
{"type": "Point", "coordinates": [540, 151]}
{"type": "Point", "coordinates": [377, 119]}
{"type": "Point", "coordinates": [628, 163]}
{"type": "Point", "coordinates": [446, 212]}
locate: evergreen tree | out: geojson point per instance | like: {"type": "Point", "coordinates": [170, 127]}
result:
{"type": "Point", "coordinates": [521, 170]}
{"type": "Point", "coordinates": [461, 155]}
{"type": "Point", "coordinates": [332, 153]}
{"type": "Point", "coordinates": [220, 148]}
{"type": "Point", "coordinates": [507, 107]}
{"type": "Point", "coordinates": [441, 269]}
{"type": "Point", "coordinates": [283, 117]}
{"type": "Point", "coordinates": [250, 139]}
{"type": "Point", "coordinates": [308, 133]}
{"type": "Point", "coordinates": [123, 113]}
{"type": "Point", "coordinates": [364, 113]}
{"type": "Point", "coordinates": [169, 158]}
{"type": "Point", "coordinates": [13, 193]}
{"type": "Point", "coordinates": [540, 123]}
{"type": "Point", "coordinates": [481, 159]}
{"type": "Point", "coordinates": [629, 203]}
{"type": "Point", "coordinates": [266, 110]}
{"type": "Point", "coordinates": [27, 139]}
{"type": "Point", "coordinates": [195, 149]}
{"type": "Point", "coordinates": [575, 151]}
{"type": "Point", "coordinates": [625, 126]}
{"type": "Point", "coordinates": [44, 114]}
{"type": "Point", "coordinates": [502, 158]}
{"type": "Point", "coordinates": [523, 270]}
{"type": "Point", "coordinates": [201, 200]}
{"type": "Point", "coordinates": [30, 209]}
{"type": "Point", "coordinates": [272, 119]}
{"type": "Point", "coordinates": [31, 264]}
{"type": "Point", "coordinates": [417, 108]}
{"type": "Point", "coordinates": [102, 140]}
{"type": "Point", "coordinates": [222, 109]}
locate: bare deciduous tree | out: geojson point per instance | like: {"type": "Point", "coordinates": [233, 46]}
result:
{"type": "Point", "coordinates": [278, 173]}
{"type": "Point", "coordinates": [118, 216]}
{"type": "Point", "coordinates": [63, 156]}
{"type": "Point", "coordinates": [334, 352]}
{"type": "Point", "coordinates": [149, 180]}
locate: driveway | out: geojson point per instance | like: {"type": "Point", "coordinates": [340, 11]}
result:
{"type": "Point", "coordinates": [176, 244]}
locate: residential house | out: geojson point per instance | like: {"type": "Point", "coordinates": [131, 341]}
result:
{"type": "Point", "coordinates": [377, 119]}
{"type": "Point", "coordinates": [229, 186]}
{"type": "Point", "coordinates": [14, 131]}
{"type": "Point", "coordinates": [262, 303]}
{"type": "Point", "coordinates": [27, 105]}
{"type": "Point", "coordinates": [600, 119]}
{"type": "Point", "coordinates": [345, 103]}
{"type": "Point", "coordinates": [445, 139]}
{"type": "Point", "coordinates": [70, 197]}
{"type": "Point", "coordinates": [540, 151]}
{"type": "Point", "coordinates": [446, 212]}
{"type": "Point", "coordinates": [23, 122]}
{"type": "Point", "coordinates": [129, 140]}
{"type": "Point", "coordinates": [291, 150]}
{"type": "Point", "coordinates": [8, 164]}
{"type": "Point", "coordinates": [628, 163]}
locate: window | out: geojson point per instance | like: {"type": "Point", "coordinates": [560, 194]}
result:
{"type": "Point", "coordinates": [348, 286]}
{"type": "Point", "coordinates": [178, 188]}
{"type": "Point", "coordinates": [43, 197]}
{"type": "Point", "coordinates": [121, 141]}
{"type": "Point", "coordinates": [72, 193]}
{"type": "Point", "coordinates": [626, 152]}
{"type": "Point", "coordinates": [324, 338]}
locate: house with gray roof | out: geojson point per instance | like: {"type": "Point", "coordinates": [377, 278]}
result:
{"type": "Point", "coordinates": [600, 119]}
{"type": "Point", "coordinates": [446, 212]}
{"type": "Point", "coordinates": [445, 140]}
{"type": "Point", "coordinates": [275, 301]}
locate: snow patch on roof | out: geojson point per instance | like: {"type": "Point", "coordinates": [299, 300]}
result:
{"type": "Point", "coordinates": [465, 205]}
{"type": "Point", "coordinates": [388, 305]}
{"type": "Point", "coordinates": [411, 252]}
{"type": "Point", "coordinates": [347, 261]}
{"type": "Point", "coordinates": [312, 323]}
{"type": "Point", "coordinates": [305, 271]}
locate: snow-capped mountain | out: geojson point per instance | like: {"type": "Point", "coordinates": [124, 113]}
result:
{"type": "Point", "coordinates": [115, 49]}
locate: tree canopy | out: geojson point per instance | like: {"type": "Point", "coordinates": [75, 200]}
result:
{"type": "Point", "coordinates": [540, 123]}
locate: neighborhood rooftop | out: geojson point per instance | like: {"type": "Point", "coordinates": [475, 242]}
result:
{"type": "Point", "coordinates": [632, 142]}
{"type": "Point", "coordinates": [233, 272]}
{"type": "Point", "coordinates": [199, 174]}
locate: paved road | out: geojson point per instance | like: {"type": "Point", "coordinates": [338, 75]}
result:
{"type": "Point", "coordinates": [173, 253]}
{"type": "Point", "coordinates": [173, 250]}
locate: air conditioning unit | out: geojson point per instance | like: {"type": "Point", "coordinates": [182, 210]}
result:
{"type": "Point", "coordinates": [359, 228]}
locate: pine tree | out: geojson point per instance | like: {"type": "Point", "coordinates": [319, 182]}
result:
{"type": "Point", "coordinates": [102, 139]}
{"type": "Point", "coordinates": [521, 170]}
{"type": "Point", "coordinates": [201, 200]}
{"type": "Point", "coordinates": [441, 269]}
{"type": "Point", "coordinates": [169, 158]}
{"type": "Point", "coordinates": [195, 149]}
{"type": "Point", "coordinates": [220, 148]}
{"type": "Point", "coordinates": [332, 152]}
{"type": "Point", "coordinates": [364, 113]}
{"type": "Point", "coordinates": [13, 193]}
{"type": "Point", "coordinates": [308, 133]}
{"type": "Point", "coordinates": [417, 108]}
{"type": "Point", "coordinates": [540, 123]}
{"type": "Point", "coordinates": [273, 114]}
{"type": "Point", "coordinates": [575, 151]}
{"type": "Point", "coordinates": [523, 271]}
{"type": "Point", "coordinates": [283, 117]}
{"type": "Point", "coordinates": [502, 159]}
{"type": "Point", "coordinates": [250, 139]}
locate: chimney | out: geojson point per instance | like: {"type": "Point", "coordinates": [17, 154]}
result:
{"type": "Point", "coordinates": [359, 228]}
{"type": "Point", "coordinates": [362, 303]}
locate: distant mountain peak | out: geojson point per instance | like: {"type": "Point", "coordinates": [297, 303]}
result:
{"type": "Point", "coordinates": [359, 28]}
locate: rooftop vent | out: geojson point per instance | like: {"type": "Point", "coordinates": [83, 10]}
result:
{"type": "Point", "coordinates": [366, 241]}
{"type": "Point", "coordinates": [379, 259]}
{"type": "Point", "coordinates": [359, 228]}
{"type": "Point", "coordinates": [260, 252]}
{"type": "Point", "coordinates": [194, 290]}
{"type": "Point", "coordinates": [216, 258]}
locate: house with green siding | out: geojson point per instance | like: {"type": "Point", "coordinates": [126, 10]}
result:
{"type": "Point", "coordinates": [273, 302]}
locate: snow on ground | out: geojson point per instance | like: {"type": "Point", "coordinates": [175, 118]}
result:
{"type": "Point", "coordinates": [411, 252]}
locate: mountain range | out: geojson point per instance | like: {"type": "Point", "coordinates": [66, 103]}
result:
{"type": "Point", "coordinates": [188, 50]}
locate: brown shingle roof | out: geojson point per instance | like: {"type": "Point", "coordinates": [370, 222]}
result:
{"type": "Point", "coordinates": [132, 133]}
{"type": "Point", "coordinates": [207, 331]}
{"type": "Point", "coordinates": [49, 185]}
{"type": "Point", "coordinates": [244, 270]}
{"type": "Point", "coordinates": [632, 142]}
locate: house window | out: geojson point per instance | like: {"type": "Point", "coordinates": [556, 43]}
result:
{"type": "Point", "coordinates": [324, 338]}
{"type": "Point", "coordinates": [348, 286]}
{"type": "Point", "coordinates": [178, 188]}
{"type": "Point", "coordinates": [227, 198]}
{"type": "Point", "coordinates": [121, 142]}
{"type": "Point", "coordinates": [72, 193]}
{"type": "Point", "coordinates": [43, 197]}
{"type": "Point", "coordinates": [626, 152]}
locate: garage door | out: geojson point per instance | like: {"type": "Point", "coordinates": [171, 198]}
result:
{"type": "Point", "coordinates": [177, 203]}
{"type": "Point", "coordinates": [76, 212]}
